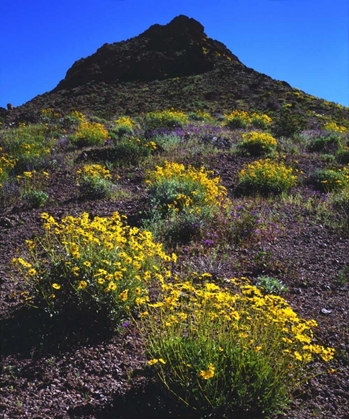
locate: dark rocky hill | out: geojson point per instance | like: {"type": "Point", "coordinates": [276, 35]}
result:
{"type": "Point", "coordinates": [178, 49]}
{"type": "Point", "coordinates": [174, 65]}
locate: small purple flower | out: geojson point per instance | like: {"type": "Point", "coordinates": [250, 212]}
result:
{"type": "Point", "coordinates": [208, 242]}
{"type": "Point", "coordinates": [125, 324]}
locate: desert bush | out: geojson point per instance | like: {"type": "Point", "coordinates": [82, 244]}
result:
{"type": "Point", "coordinates": [124, 126]}
{"type": "Point", "coordinates": [6, 164]}
{"type": "Point", "coordinates": [340, 202]}
{"type": "Point", "coordinates": [200, 116]}
{"type": "Point", "coordinates": [334, 127]}
{"type": "Point", "coordinates": [257, 143]}
{"type": "Point", "coordinates": [100, 268]}
{"type": "Point", "coordinates": [174, 187]}
{"type": "Point", "coordinates": [328, 180]}
{"type": "Point", "coordinates": [242, 119]}
{"type": "Point", "coordinates": [132, 151]}
{"type": "Point", "coordinates": [94, 181]}
{"type": "Point", "coordinates": [168, 141]}
{"type": "Point", "coordinates": [270, 285]}
{"type": "Point", "coordinates": [165, 119]}
{"type": "Point", "coordinates": [89, 134]}
{"type": "Point", "coordinates": [342, 155]}
{"type": "Point", "coordinates": [227, 354]}
{"type": "Point", "coordinates": [288, 124]}
{"type": "Point", "coordinates": [324, 144]}
{"type": "Point", "coordinates": [29, 145]}
{"type": "Point", "coordinates": [32, 185]}
{"type": "Point", "coordinates": [265, 177]}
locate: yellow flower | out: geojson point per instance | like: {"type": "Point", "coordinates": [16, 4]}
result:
{"type": "Point", "coordinates": [207, 374]}
{"type": "Point", "coordinates": [32, 272]}
{"type": "Point", "coordinates": [112, 286]}
{"type": "Point", "coordinates": [31, 244]}
{"type": "Point", "coordinates": [87, 263]}
{"type": "Point", "coordinates": [56, 286]}
{"type": "Point", "coordinates": [124, 295]}
{"type": "Point", "coordinates": [82, 284]}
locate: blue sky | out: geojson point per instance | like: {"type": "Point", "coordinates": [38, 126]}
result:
{"type": "Point", "coordinates": [304, 42]}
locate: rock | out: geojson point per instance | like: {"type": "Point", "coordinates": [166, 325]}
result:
{"type": "Point", "coordinates": [180, 48]}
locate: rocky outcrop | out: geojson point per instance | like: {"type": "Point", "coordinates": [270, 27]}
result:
{"type": "Point", "coordinates": [180, 48]}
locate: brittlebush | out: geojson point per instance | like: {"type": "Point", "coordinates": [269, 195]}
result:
{"type": "Point", "coordinates": [228, 352]}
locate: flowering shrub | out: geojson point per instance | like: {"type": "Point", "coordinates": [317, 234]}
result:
{"type": "Point", "coordinates": [6, 164]}
{"type": "Point", "coordinates": [89, 133]}
{"type": "Point", "coordinates": [266, 177]}
{"type": "Point", "coordinates": [257, 143]}
{"type": "Point", "coordinates": [200, 116]}
{"type": "Point", "coordinates": [327, 180]}
{"type": "Point", "coordinates": [123, 126]}
{"type": "Point", "coordinates": [332, 126]}
{"type": "Point", "coordinates": [225, 353]}
{"type": "Point", "coordinates": [32, 185]}
{"type": "Point", "coordinates": [29, 146]}
{"type": "Point", "coordinates": [49, 115]}
{"type": "Point", "coordinates": [100, 267]}
{"type": "Point", "coordinates": [165, 119]}
{"type": "Point", "coordinates": [243, 119]}
{"type": "Point", "coordinates": [173, 186]}
{"type": "Point", "coordinates": [95, 181]}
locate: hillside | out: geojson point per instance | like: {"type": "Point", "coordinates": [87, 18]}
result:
{"type": "Point", "coordinates": [175, 65]}
{"type": "Point", "coordinates": [174, 264]}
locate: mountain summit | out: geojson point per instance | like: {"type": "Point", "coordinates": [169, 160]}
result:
{"type": "Point", "coordinates": [180, 48]}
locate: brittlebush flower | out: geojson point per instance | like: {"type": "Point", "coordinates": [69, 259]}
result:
{"type": "Point", "coordinates": [124, 295]}
{"type": "Point", "coordinates": [207, 374]}
{"type": "Point", "coordinates": [56, 286]}
{"type": "Point", "coordinates": [82, 284]}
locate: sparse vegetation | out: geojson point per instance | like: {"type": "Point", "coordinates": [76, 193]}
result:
{"type": "Point", "coordinates": [108, 273]}
{"type": "Point", "coordinates": [178, 309]}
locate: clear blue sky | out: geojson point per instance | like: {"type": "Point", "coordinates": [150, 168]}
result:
{"type": "Point", "coordinates": [304, 42]}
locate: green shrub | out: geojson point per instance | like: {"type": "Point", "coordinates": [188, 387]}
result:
{"type": "Point", "coordinates": [257, 143]}
{"type": "Point", "coordinates": [341, 203]}
{"type": "Point", "coordinates": [174, 187]}
{"type": "Point", "coordinates": [35, 198]}
{"type": "Point", "coordinates": [168, 141]}
{"type": "Point", "coordinates": [328, 180]}
{"type": "Point", "coordinates": [94, 181]}
{"type": "Point", "coordinates": [200, 116]}
{"type": "Point", "coordinates": [31, 186]}
{"type": "Point", "coordinates": [270, 285]}
{"type": "Point", "coordinates": [242, 119]}
{"type": "Point", "coordinates": [329, 144]}
{"type": "Point", "coordinates": [7, 163]}
{"type": "Point", "coordinates": [342, 155]}
{"type": "Point", "coordinates": [124, 126]}
{"type": "Point", "coordinates": [265, 177]}
{"type": "Point", "coordinates": [99, 268]}
{"type": "Point", "coordinates": [132, 151]}
{"type": "Point", "coordinates": [288, 124]}
{"type": "Point", "coordinates": [225, 354]}
{"type": "Point", "coordinates": [89, 134]}
{"type": "Point", "coordinates": [343, 275]}
{"type": "Point", "coordinates": [165, 119]}
{"type": "Point", "coordinates": [28, 145]}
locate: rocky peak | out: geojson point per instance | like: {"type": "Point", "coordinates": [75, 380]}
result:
{"type": "Point", "coordinates": [178, 49]}
{"type": "Point", "coordinates": [180, 24]}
